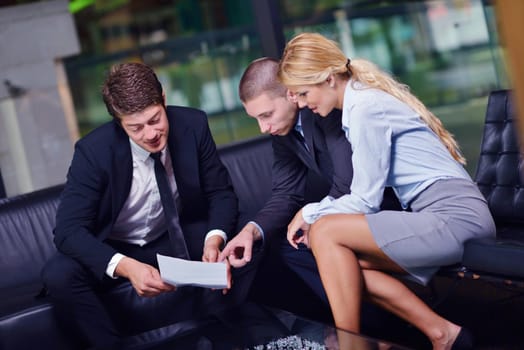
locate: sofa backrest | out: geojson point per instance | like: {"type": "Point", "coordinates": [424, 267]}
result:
{"type": "Point", "coordinates": [26, 235]}
{"type": "Point", "coordinates": [500, 170]}
{"type": "Point", "coordinates": [249, 164]}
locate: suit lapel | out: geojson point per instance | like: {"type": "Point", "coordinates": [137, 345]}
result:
{"type": "Point", "coordinates": [182, 156]}
{"type": "Point", "coordinates": [303, 154]}
{"type": "Point", "coordinates": [309, 130]}
{"type": "Point", "coordinates": [122, 170]}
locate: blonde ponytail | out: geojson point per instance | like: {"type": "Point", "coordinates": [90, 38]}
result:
{"type": "Point", "coordinates": [369, 74]}
{"type": "Point", "coordinates": [310, 58]}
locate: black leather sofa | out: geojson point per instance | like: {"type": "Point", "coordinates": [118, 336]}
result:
{"type": "Point", "coordinates": [500, 178]}
{"type": "Point", "coordinates": [26, 224]}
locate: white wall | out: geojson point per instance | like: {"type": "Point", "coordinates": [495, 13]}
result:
{"type": "Point", "coordinates": [37, 127]}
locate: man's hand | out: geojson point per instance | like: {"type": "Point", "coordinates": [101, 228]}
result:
{"type": "Point", "coordinates": [239, 250]}
{"type": "Point", "coordinates": [145, 278]}
{"type": "Point", "coordinates": [211, 254]}
{"type": "Point", "coordinates": [229, 278]}
{"type": "Point", "coordinates": [212, 248]}
{"type": "Point", "coordinates": [296, 225]}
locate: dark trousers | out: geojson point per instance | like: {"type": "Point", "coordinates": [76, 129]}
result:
{"type": "Point", "coordinates": [303, 263]}
{"type": "Point", "coordinates": [79, 305]}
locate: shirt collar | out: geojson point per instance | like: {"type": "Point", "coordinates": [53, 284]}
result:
{"type": "Point", "coordinates": [141, 154]}
{"type": "Point", "coordinates": [298, 124]}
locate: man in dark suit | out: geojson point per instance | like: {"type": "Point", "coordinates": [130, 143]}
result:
{"type": "Point", "coordinates": [304, 144]}
{"type": "Point", "coordinates": [111, 220]}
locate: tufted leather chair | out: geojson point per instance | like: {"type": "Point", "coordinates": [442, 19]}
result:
{"type": "Point", "coordinates": [500, 177]}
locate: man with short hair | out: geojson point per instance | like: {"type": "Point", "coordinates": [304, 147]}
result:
{"type": "Point", "coordinates": [112, 219]}
{"type": "Point", "coordinates": [302, 142]}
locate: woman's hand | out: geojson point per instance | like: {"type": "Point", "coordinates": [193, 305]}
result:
{"type": "Point", "coordinates": [298, 230]}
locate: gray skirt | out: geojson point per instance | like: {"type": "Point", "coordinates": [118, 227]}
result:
{"type": "Point", "coordinates": [442, 218]}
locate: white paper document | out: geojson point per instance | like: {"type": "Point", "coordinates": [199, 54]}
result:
{"type": "Point", "coordinates": [180, 272]}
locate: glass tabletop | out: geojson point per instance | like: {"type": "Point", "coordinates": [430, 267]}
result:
{"type": "Point", "coordinates": [259, 327]}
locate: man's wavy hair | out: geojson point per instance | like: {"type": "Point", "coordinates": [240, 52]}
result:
{"type": "Point", "coordinates": [131, 88]}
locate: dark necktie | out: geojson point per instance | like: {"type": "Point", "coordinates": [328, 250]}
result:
{"type": "Point", "coordinates": [170, 212]}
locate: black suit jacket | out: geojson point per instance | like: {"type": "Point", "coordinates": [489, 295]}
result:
{"type": "Point", "coordinates": [328, 156]}
{"type": "Point", "coordinates": [99, 181]}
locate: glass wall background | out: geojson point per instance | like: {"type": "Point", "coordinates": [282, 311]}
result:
{"type": "Point", "coordinates": [447, 51]}
{"type": "Point", "coordinates": [197, 48]}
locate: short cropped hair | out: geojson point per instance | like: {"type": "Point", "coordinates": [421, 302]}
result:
{"type": "Point", "coordinates": [260, 77]}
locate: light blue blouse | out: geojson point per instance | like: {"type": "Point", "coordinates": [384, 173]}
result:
{"type": "Point", "coordinates": [392, 146]}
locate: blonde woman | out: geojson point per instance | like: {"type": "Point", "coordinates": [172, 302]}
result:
{"type": "Point", "coordinates": [396, 142]}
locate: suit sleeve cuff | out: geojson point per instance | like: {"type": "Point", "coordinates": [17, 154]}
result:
{"type": "Point", "coordinates": [259, 229]}
{"type": "Point", "coordinates": [216, 232]}
{"type": "Point", "coordinates": [111, 267]}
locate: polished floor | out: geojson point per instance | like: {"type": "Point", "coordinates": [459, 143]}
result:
{"type": "Point", "coordinates": [494, 315]}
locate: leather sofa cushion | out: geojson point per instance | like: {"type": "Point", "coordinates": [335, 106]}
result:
{"type": "Point", "coordinates": [249, 164]}
{"type": "Point", "coordinates": [496, 255]}
{"type": "Point", "coordinates": [26, 236]}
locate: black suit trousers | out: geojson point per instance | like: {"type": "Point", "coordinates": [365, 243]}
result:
{"type": "Point", "coordinates": [82, 309]}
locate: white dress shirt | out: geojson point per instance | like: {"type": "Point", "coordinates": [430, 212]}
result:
{"type": "Point", "coordinates": [141, 219]}
{"type": "Point", "coordinates": [392, 146]}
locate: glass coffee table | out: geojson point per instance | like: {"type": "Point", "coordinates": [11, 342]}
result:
{"type": "Point", "coordinates": [259, 327]}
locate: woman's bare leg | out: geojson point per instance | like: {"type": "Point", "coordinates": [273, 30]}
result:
{"type": "Point", "coordinates": [342, 280]}
{"type": "Point", "coordinates": [342, 245]}
{"type": "Point", "coordinates": [339, 266]}
{"type": "Point", "coordinates": [391, 294]}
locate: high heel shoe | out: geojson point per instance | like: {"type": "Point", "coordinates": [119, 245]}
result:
{"type": "Point", "coordinates": [464, 340]}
